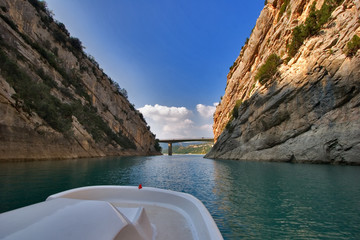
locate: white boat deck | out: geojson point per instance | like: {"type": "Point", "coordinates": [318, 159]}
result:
{"type": "Point", "coordinates": [169, 223]}
{"type": "Point", "coordinates": [112, 212]}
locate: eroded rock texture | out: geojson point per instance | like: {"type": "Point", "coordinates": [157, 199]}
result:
{"type": "Point", "coordinates": [43, 51]}
{"type": "Point", "coordinates": [310, 110]}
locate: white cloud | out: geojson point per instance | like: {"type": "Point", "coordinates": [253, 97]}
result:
{"type": "Point", "coordinates": [159, 112]}
{"type": "Point", "coordinates": [206, 111]}
{"type": "Point", "coordinates": [168, 122]}
{"type": "Point", "coordinates": [177, 122]}
{"type": "Point", "coordinates": [180, 129]}
{"type": "Point", "coordinates": [207, 127]}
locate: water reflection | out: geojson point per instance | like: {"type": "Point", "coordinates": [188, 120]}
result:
{"type": "Point", "coordinates": [279, 200]}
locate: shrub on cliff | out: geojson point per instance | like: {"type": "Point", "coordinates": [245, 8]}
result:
{"type": "Point", "coordinates": [312, 25]}
{"type": "Point", "coordinates": [233, 66]}
{"type": "Point", "coordinates": [76, 43]}
{"type": "Point", "coordinates": [235, 111]}
{"type": "Point", "coordinates": [62, 27]}
{"type": "Point", "coordinates": [297, 40]}
{"type": "Point", "coordinates": [157, 146]}
{"type": "Point", "coordinates": [36, 97]}
{"type": "Point", "coordinates": [283, 8]}
{"type": "Point", "coordinates": [88, 116]}
{"type": "Point", "coordinates": [39, 5]}
{"type": "Point", "coordinates": [268, 69]}
{"type": "Point", "coordinates": [59, 36]}
{"type": "Point", "coordinates": [230, 128]}
{"type": "Point", "coordinates": [352, 46]}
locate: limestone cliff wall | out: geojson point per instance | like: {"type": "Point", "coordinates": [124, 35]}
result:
{"type": "Point", "coordinates": [41, 49]}
{"type": "Point", "coordinates": [309, 111]}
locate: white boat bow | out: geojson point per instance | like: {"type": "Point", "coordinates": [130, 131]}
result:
{"type": "Point", "coordinates": [112, 212]}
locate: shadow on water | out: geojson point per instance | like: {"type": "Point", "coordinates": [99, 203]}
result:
{"type": "Point", "coordinates": [24, 183]}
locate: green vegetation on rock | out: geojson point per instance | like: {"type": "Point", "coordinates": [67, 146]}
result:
{"type": "Point", "coordinates": [230, 128]}
{"type": "Point", "coordinates": [61, 92]}
{"type": "Point", "coordinates": [235, 111]}
{"type": "Point", "coordinates": [268, 69]}
{"type": "Point", "coordinates": [353, 46]}
{"type": "Point", "coordinates": [38, 5]}
{"type": "Point", "coordinates": [312, 25]}
{"type": "Point", "coordinates": [50, 57]}
{"type": "Point", "coordinates": [233, 66]}
{"type": "Point", "coordinates": [283, 8]}
{"type": "Point", "coordinates": [36, 97]}
{"type": "Point", "coordinates": [157, 146]}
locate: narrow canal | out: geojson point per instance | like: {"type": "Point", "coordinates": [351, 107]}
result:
{"type": "Point", "coordinates": [248, 200]}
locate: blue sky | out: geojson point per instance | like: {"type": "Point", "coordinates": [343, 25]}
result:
{"type": "Point", "coordinates": [172, 56]}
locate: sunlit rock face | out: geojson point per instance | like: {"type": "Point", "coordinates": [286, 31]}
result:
{"type": "Point", "coordinates": [310, 109]}
{"type": "Point", "coordinates": [42, 50]}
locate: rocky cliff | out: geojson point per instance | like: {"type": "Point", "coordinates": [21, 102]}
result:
{"type": "Point", "coordinates": [55, 100]}
{"type": "Point", "coordinates": [293, 93]}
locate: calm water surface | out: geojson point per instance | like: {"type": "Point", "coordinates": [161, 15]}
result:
{"type": "Point", "coordinates": [248, 200]}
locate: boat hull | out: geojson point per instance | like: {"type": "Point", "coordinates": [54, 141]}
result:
{"type": "Point", "coordinates": [152, 213]}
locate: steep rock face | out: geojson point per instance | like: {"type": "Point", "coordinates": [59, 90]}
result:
{"type": "Point", "coordinates": [38, 53]}
{"type": "Point", "coordinates": [310, 110]}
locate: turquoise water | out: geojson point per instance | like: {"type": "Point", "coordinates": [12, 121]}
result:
{"type": "Point", "coordinates": [248, 200]}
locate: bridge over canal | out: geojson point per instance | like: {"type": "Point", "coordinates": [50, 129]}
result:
{"type": "Point", "coordinates": [171, 141]}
